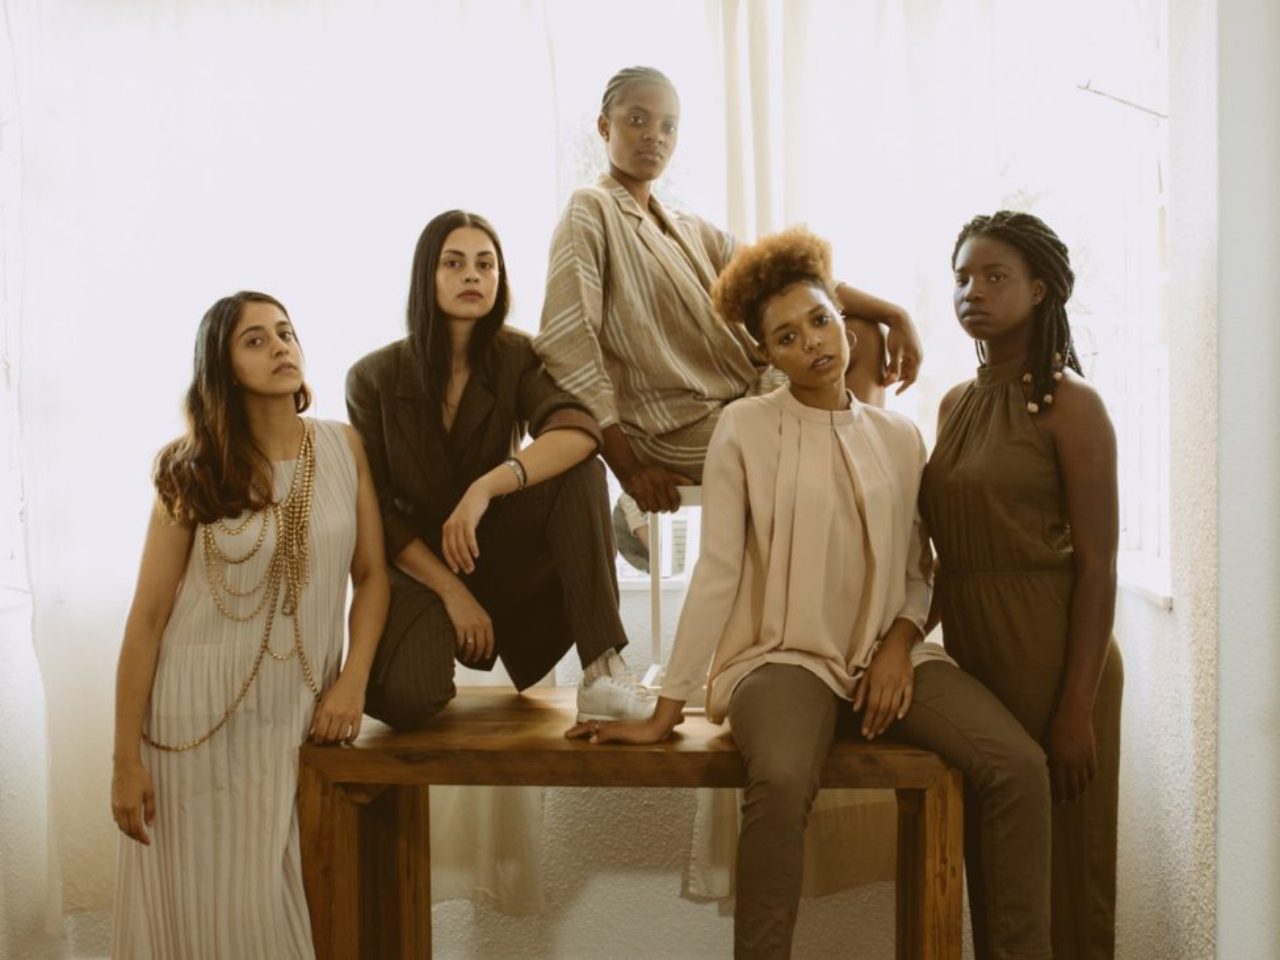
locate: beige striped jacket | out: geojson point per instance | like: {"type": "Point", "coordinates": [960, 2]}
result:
{"type": "Point", "coordinates": [627, 325]}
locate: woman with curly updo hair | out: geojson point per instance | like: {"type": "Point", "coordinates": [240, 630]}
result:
{"type": "Point", "coordinates": [809, 603]}
{"type": "Point", "coordinates": [1020, 495]}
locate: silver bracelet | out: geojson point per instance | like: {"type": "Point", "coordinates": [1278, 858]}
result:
{"type": "Point", "coordinates": [522, 478]}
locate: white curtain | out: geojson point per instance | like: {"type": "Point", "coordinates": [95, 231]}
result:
{"type": "Point", "coordinates": [157, 154]}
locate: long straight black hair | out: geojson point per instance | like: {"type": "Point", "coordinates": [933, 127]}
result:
{"type": "Point", "coordinates": [426, 322]}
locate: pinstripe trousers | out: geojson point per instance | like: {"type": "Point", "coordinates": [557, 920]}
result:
{"type": "Point", "coordinates": [546, 578]}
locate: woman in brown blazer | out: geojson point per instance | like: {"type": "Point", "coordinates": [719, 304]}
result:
{"type": "Point", "coordinates": [496, 551]}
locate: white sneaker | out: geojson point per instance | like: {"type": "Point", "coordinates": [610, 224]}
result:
{"type": "Point", "coordinates": [614, 697]}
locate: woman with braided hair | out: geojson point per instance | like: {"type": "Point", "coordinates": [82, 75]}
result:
{"type": "Point", "coordinates": [808, 605]}
{"type": "Point", "coordinates": [628, 326]}
{"type": "Point", "coordinates": [1020, 498]}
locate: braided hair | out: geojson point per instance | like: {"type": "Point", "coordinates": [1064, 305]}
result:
{"type": "Point", "coordinates": [1052, 347]}
{"type": "Point", "coordinates": [625, 78]}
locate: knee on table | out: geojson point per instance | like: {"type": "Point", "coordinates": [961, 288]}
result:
{"type": "Point", "coordinates": [403, 705]}
{"type": "Point", "coordinates": [418, 673]}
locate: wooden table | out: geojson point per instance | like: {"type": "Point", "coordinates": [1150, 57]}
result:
{"type": "Point", "coordinates": [364, 811]}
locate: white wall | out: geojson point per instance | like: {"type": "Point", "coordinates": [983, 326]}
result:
{"type": "Point", "coordinates": [1249, 477]}
{"type": "Point", "coordinates": [28, 900]}
{"type": "Point", "coordinates": [1168, 757]}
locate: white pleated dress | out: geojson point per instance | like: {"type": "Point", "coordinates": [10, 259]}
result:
{"type": "Point", "coordinates": [223, 878]}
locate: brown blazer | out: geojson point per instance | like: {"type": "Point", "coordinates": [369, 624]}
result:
{"type": "Point", "coordinates": [420, 472]}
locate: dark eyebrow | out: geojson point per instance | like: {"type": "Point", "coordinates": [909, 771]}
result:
{"type": "Point", "coordinates": [987, 266]}
{"type": "Point", "coordinates": [459, 253]}
{"type": "Point", "coordinates": [261, 328]}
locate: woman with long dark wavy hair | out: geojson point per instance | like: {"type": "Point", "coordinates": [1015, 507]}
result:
{"type": "Point", "coordinates": [496, 551]}
{"type": "Point", "coordinates": [232, 648]}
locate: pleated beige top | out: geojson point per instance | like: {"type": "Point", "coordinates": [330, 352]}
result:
{"type": "Point", "coordinates": [811, 546]}
{"type": "Point", "coordinates": [223, 877]}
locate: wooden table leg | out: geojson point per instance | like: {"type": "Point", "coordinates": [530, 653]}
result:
{"type": "Point", "coordinates": [910, 876]}
{"type": "Point", "coordinates": [413, 871]}
{"type": "Point", "coordinates": [328, 823]}
{"type": "Point", "coordinates": [930, 870]}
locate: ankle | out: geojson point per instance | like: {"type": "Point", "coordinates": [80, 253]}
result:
{"type": "Point", "coordinates": [601, 666]}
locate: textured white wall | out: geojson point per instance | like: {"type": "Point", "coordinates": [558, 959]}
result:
{"type": "Point", "coordinates": [1168, 797]}
{"type": "Point", "coordinates": [1249, 475]}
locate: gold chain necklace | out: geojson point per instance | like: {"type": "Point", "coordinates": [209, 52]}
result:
{"type": "Point", "coordinates": [289, 567]}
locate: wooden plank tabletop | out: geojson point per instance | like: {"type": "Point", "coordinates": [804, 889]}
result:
{"type": "Point", "coordinates": [493, 735]}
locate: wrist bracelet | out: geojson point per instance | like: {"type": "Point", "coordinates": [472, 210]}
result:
{"type": "Point", "coordinates": [522, 478]}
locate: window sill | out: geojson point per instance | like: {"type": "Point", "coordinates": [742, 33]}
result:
{"type": "Point", "coordinates": [1146, 577]}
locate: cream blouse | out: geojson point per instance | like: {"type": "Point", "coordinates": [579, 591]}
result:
{"type": "Point", "coordinates": [811, 546]}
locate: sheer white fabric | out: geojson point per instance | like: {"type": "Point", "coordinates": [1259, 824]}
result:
{"type": "Point", "coordinates": [157, 154]}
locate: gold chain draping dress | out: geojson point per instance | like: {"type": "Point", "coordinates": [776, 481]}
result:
{"type": "Point", "coordinates": [222, 877]}
{"type": "Point", "coordinates": [993, 501]}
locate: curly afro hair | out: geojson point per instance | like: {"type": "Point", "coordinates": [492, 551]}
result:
{"type": "Point", "coordinates": [760, 270]}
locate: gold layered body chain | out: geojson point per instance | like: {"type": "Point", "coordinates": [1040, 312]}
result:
{"type": "Point", "coordinates": [289, 569]}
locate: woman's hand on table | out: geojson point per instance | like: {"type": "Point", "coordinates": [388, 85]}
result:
{"type": "Point", "coordinates": [621, 731]}
{"type": "Point", "coordinates": [667, 715]}
{"type": "Point", "coordinates": [338, 715]}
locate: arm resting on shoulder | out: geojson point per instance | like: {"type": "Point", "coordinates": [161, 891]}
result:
{"type": "Point", "coordinates": [906, 352]}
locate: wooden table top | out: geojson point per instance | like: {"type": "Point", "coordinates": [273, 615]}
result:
{"type": "Point", "coordinates": [493, 735]}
